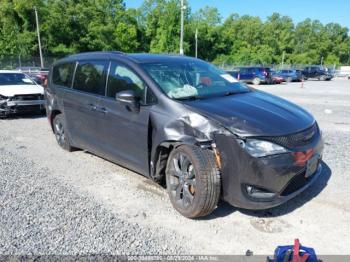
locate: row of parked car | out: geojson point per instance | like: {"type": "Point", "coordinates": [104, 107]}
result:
{"type": "Point", "coordinates": [265, 75]}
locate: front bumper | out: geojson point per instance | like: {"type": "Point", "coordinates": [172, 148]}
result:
{"type": "Point", "coordinates": [277, 178]}
{"type": "Point", "coordinates": [21, 106]}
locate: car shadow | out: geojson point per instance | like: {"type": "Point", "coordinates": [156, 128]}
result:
{"type": "Point", "coordinates": [225, 209]}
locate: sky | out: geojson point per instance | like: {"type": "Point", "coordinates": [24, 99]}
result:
{"type": "Point", "coordinates": [324, 10]}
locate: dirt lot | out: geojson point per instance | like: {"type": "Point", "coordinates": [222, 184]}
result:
{"type": "Point", "coordinates": [55, 202]}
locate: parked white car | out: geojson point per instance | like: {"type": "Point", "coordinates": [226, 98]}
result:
{"type": "Point", "coordinates": [19, 94]}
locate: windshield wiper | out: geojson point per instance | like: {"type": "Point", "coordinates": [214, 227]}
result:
{"type": "Point", "coordinates": [189, 98]}
{"type": "Point", "coordinates": [230, 93]}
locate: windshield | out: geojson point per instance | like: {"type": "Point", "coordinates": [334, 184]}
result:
{"type": "Point", "coordinates": [192, 79]}
{"type": "Point", "coordinates": [15, 79]}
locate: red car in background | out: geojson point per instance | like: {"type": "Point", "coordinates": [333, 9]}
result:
{"type": "Point", "coordinates": [276, 79]}
{"type": "Point", "coordinates": [39, 75]}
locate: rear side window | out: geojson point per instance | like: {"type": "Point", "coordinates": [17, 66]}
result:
{"type": "Point", "coordinates": [122, 78]}
{"type": "Point", "coordinates": [90, 77]}
{"type": "Point", "coordinates": [63, 74]}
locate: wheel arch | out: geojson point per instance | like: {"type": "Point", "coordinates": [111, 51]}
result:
{"type": "Point", "coordinates": [160, 158]}
{"type": "Point", "coordinates": [53, 114]}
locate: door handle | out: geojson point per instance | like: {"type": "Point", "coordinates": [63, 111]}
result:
{"type": "Point", "coordinates": [92, 107]}
{"type": "Point", "coordinates": [103, 110]}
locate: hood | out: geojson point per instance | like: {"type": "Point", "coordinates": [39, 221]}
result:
{"type": "Point", "coordinates": [254, 113]}
{"type": "Point", "coordinates": [12, 90]}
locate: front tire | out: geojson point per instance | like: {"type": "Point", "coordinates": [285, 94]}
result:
{"type": "Point", "coordinates": [256, 81]}
{"type": "Point", "coordinates": [193, 181]}
{"type": "Point", "coordinates": [322, 78]}
{"type": "Point", "coordinates": [59, 129]}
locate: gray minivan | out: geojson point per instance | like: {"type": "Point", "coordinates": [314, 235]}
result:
{"type": "Point", "coordinates": [187, 125]}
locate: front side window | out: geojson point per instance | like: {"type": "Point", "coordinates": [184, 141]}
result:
{"type": "Point", "coordinates": [192, 79]}
{"type": "Point", "coordinates": [121, 78]}
{"type": "Point", "coordinates": [243, 71]}
{"type": "Point", "coordinates": [15, 79]}
{"type": "Point", "coordinates": [63, 74]}
{"type": "Point", "coordinates": [90, 77]}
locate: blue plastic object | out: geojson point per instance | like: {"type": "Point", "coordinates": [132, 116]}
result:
{"type": "Point", "coordinates": [296, 253]}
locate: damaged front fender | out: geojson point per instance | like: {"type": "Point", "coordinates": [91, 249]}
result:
{"type": "Point", "coordinates": [184, 127]}
{"type": "Point", "coordinates": [4, 108]}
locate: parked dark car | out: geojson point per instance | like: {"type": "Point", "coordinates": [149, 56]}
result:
{"type": "Point", "coordinates": [254, 75]}
{"type": "Point", "coordinates": [317, 72]}
{"type": "Point", "coordinates": [186, 124]}
{"type": "Point", "coordinates": [290, 75]}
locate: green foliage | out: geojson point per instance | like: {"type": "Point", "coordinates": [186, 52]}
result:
{"type": "Point", "coordinates": [70, 26]}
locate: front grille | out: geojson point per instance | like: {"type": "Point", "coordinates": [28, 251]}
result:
{"type": "Point", "coordinates": [299, 139]}
{"type": "Point", "coordinates": [28, 97]}
{"type": "Point", "coordinates": [28, 109]}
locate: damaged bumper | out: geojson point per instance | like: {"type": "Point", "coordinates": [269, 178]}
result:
{"type": "Point", "coordinates": [9, 106]}
{"type": "Point", "coordinates": [260, 183]}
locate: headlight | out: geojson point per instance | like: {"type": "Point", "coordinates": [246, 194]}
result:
{"type": "Point", "coordinates": [260, 148]}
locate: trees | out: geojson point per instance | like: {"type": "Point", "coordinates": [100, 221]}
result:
{"type": "Point", "coordinates": [70, 26]}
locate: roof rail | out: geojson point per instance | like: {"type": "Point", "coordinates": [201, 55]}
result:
{"type": "Point", "coordinates": [97, 52]}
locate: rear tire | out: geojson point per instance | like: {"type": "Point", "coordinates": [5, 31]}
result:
{"type": "Point", "coordinates": [59, 129]}
{"type": "Point", "coordinates": [193, 181]}
{"type": "Point", "coordinates": [256, 81]}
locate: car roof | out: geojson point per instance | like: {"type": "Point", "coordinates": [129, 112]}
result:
{"type": "Point", "coordinates": [135, 57]}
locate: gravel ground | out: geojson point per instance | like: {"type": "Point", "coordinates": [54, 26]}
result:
{"type": "Point", "coordinates": [41, 215]}
{"type": "Point", "coordinates": [55, 202]}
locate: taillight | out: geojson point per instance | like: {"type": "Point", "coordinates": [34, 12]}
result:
{"type": "Point", "coordinates": [45, 83]}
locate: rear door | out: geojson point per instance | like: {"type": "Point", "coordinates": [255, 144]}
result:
{"type": "Point", "coordinates": [81, 104]}
{"type": "Point", "coordinates": [251, 73]}
{"type": "Point", "coordinates": [124, 137]}
{"type": "Point", "coordinates": [243, 74]}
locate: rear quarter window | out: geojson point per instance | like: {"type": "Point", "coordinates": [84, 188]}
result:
{"type": "Point", "coordinates": [63, 74]}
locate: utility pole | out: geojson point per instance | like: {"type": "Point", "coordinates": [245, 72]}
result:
{"type": "Point", "coordinates": [39, 42]}
{"type": "Point", "coordinates": [282, 64]}
{"type": "Point", "coordinates": [322, 61]}
{"type": "Point", "coordinates": [196, 37]}
{"type": "Point", "coordinates": [19, 60]}
{"type": "Point", "coordinates": [183, 7]}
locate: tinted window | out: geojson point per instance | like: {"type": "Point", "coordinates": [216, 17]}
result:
{"type": "Point", "coordinates": [121, 78]}
{"type": "Point", "coordinates": [150, 97]}
{"type": "Point", "coordinates": [63, 74]}
{"type": "Point", "coordinates": [90, 77]}
{"type": "Point", "coordinates": [243, 70]}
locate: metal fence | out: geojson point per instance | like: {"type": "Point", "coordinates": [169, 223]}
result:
{"type": "Point", "coordinates": [11, 62]}
{"type": "Point", "coordinates": [230, 66]}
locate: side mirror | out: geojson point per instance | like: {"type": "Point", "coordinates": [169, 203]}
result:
{"type": "Point", "coordinates": [129, 99]}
